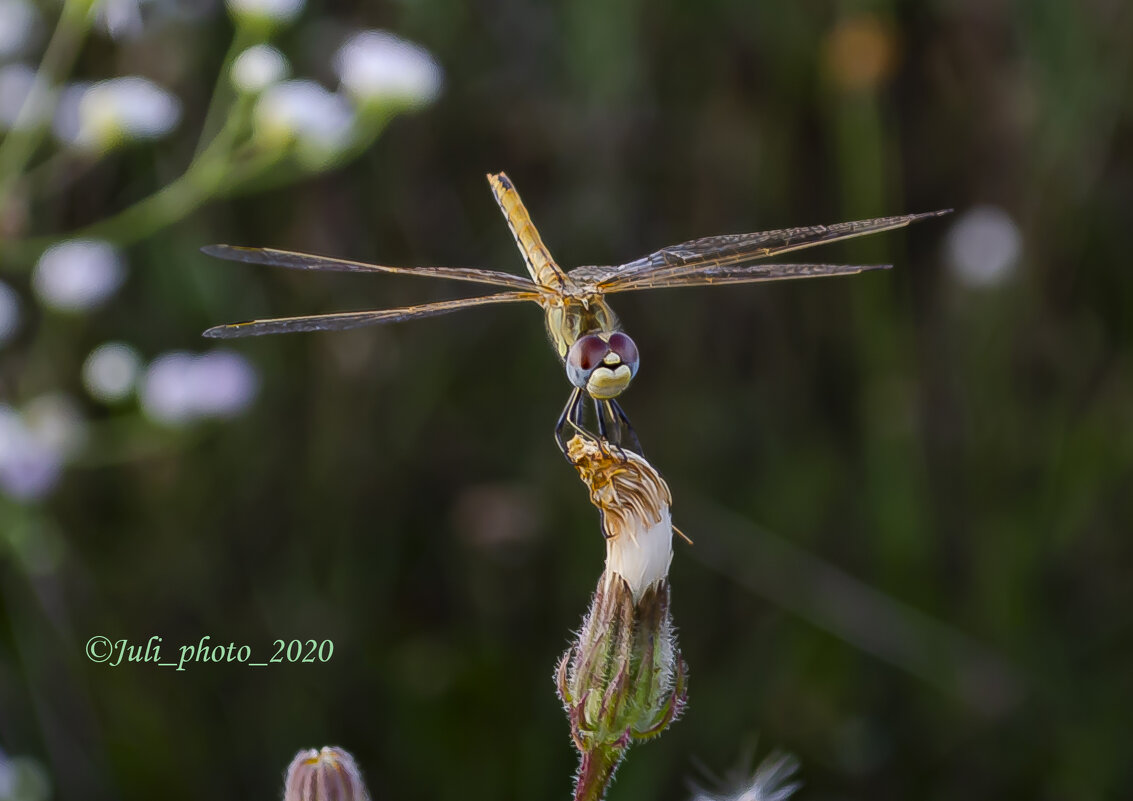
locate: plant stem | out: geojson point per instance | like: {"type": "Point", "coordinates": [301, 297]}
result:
{"type": "Point", "coordinates": [596, 771]}
{"type": "Point", "coordinates": [210, 173]}
{"type": "Point", "coordinates": [28, 128]}
{"type": "Point", "coordinates": [222, 90]}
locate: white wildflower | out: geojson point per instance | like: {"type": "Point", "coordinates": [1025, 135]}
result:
{"type": "Point", "coordinates": [265, 12]}
{"type": "Point", "coordinates": [319, 122]}
{"type": "Point", "coordinates": [105, 114]}
{"type": "Point", "coordinates": [16, 83]}
{"type": "Point", "coordinates": [111, 371]}
{"type": "Point", "coordinates": [377, 66]}
{"type": "Point", "coordinates": [78, 274]}
{"type": "Point", "coordinates": [181, 387]}
{"type": "Point", "coordinates": [257, 68]}
{"type": "Point", "coordinates": [983, 246]}
{"type": "Point", "coordinates": [19, 23]}
{"type": "Point", "coordinates": [9, 312]}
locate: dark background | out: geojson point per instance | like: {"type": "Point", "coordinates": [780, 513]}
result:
{"type": "Point", "coordinates": [909, 495]}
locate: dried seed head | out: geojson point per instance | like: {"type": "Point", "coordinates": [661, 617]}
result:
{"type": "Point", "coordinates": [327, 775]}
{"type": "Point", "coordinates": [636, 520]}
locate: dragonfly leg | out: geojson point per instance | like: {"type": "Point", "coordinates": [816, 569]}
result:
{"type": "Point", "coordinates": [623, 421]}
{"type": "Point", "coordinates": [600, 414]}
{"type": "Point", "coordinates": [605, 411]}
{"type": "Point", "coordinates": [571, 414]}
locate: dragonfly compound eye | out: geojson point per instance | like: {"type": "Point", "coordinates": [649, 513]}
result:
{"type": "Point", "coordinates": [622, 345]}
{"type": "Point", "coordinates": [584, 356]}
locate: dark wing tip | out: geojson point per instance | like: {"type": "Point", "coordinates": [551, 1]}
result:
{"type": "Point", "coordinates": [929, 214]}
{"type": "Point", "coordinates": [868, 267]}
{"type": "Point", "coordinates": [223, 251]}
{"type": "Point", "coordinates": [223, 331]}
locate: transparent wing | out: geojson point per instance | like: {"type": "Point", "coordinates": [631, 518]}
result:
{"type": "Point", "coordinates": [731, 250]}
{"type": "Point", "coordinates": [306, 261]}
{"type": "Point", "coordinates": [718, 276]}
{"type": "Point", "coordinates": [344, 320]}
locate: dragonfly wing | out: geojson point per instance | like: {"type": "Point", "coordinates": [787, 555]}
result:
{"type": "Point", "coordinates": [306, 261]}
{"type": "Point", "coordinates": [344, 320]}
{"type": "Point", "coordinates": [718, 276]}
{"type": "Point", "coordinates": [733, 250]}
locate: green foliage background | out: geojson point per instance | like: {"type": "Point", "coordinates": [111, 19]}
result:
{"type": "Point", "coordinates": [910, 498]}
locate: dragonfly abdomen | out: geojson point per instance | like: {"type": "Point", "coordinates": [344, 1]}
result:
{"type": "Point", "coordinates": [542, 267]}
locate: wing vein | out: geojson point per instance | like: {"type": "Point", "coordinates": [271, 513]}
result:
{"type": "Point", "coordinates": [307, 261]}
{"type": "Point", "coordinates": [341, 321]}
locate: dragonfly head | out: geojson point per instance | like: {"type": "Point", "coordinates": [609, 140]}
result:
{"type": "Point", "coordinates": [602, 364]}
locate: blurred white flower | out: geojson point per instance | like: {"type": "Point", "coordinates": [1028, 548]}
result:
{"type": "Point", "coordinates": [9, 312]}
{"type": "Point", "coordinates": [121, 19]}
{"type": "Point", "coordinates": [16, 82]}
{"type": "Point", "coordinates": [983, 246]}
{"type": "Point", "coordinates": [35, 444]}
{"type": "Point", "coordinates": [773, 780]}
{"type": "Point", "coordinates": [258, 67]}
{"type": "Point", "coordinates": [265, 12]}
{"type": "Point", "coordinates": [167, 389]}
{"type": "Point", "coordinates": [181, 387]}
{"type": "Point", "coordinates": [118, 19]}
{"type": "Point", "coordinates": [56, 421]}
{"type": "Point", "coordinates": [19, 21]}
{"type": "Point", "coordinates": [77, 274]}
{"type": "Point", "coordinates": [111, 371]}
{"type": "Point", "coordinates": [319, 122]}
{"type": "Point", "coordinates": [23, 779]}
{"type": "Point", "coordinates": [105, 114]}
{"type": "Point", "coordinates": [65, 122]}
{"type": "Point", "coordinates": [377, 66]}
{"type": "Point", "coordinates": [227, 383]}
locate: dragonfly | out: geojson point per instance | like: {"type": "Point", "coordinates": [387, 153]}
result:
{"type": "Point", "coordinates": [600, 359]}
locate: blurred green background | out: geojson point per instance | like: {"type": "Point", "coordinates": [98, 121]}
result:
{"type": "Point", "coordinates": [909, 490]}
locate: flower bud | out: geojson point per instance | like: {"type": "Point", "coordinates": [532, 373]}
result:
{"type": "Point", "coordinates": [327, 775]}
{"type": "Point", "coordinates": [623, 679]}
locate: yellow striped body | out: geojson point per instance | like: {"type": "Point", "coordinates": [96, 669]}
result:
{"type": "Point", "coordinates": [542, 267]}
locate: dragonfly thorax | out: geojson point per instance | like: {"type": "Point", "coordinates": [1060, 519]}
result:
{"type": "Point", "coordinates": [570, 317]}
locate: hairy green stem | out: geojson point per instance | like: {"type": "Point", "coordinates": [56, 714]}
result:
{"type": "Point", "coordinates": [596, 772]}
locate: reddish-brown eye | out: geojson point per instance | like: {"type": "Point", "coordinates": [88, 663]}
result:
{"type": "Point", "coordinates": [590, 350]}
{"type": "Point", "coordinates": [622, 345]}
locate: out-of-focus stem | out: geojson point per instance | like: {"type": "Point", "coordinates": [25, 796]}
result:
{"type": "Point", "coordinates": [210, 174]}
{"type": "Point", "coordinates": [27, 130]}
{"type": "Point", "coordinates": [222, 91]}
